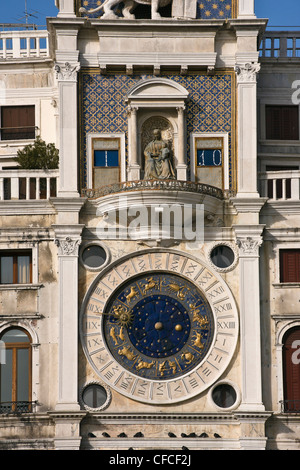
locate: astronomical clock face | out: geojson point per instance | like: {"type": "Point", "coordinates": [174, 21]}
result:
{"type": "Point", "coordinates": [159, 327]}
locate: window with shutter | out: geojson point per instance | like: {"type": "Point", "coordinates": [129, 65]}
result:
{"type": "Point", "coordinates": [17, 122]}
{"type": "Point", "coordinates": [282, 122]}
{"type": "Point", "coordinates": [291, 370]}
{"type": "Point", "coordinates": [289, 265]}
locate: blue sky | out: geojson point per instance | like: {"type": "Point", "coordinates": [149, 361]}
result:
{"type": "Point", "coordinates": [13, 11]}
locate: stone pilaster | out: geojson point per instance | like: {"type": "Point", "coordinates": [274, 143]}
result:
{"type": "Point", "coordinates": [66, 8]}
{"type": "Point", "coordinates": [68, 239]}
{"type": "Point", "coordinates": [249, 240]}
{"type": "Point", "coordinates": [68, 162]}
{"type": "Point", "coordinates": [246, 9]}
{"type": "Point", "coordinates": [247, 125]}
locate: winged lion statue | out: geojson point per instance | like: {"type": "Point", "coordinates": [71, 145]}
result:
{"type": "Point", "coordinates": [129, 5]}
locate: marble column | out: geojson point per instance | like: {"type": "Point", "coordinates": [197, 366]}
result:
{"type": "Point", "coordinates": [247, 126]}
{"type": "Point", "coordinates": [249, 240]}
{"type": "Point", "coordinates": [133, 165]}
{"type": "Point", "coordinates": [181, 164]}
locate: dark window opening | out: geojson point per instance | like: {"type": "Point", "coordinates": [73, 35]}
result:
{"type": "Point", "coordinates": [291, 370]}
{"type": "Point", "coordinates": [17, 122]}
{"type": "Point", "coordinates": [282, 122]}
{"type": "Point", "coordinates": [290, 265]}
{"type": "Point", "coordinates": [16, 267]}
{"type": "Point", "coordinates": [15, 372]}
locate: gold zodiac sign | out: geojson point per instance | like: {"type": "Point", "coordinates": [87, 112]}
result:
{"type": "Point", "coordinates": [121, 334]}
{"type": "Point", "coordinates": [187, 357]}
{"type": "Point", "coordinates": [150, 284]}
{"type": "Point", "coordinates": [112, 334]}
{"type": "Point", "coordinates": [173, 287]}
{"type": "Point", "coordinates": [173, 366]}
{"type": "Point", "coordinates": [162, 367]}
{"type": "Point", "coordinates": [133, 293]}
{"type": "Point", "coordinates": [123, 315]}
{"type": "Point", "coordinates": [201, 320]}
{"type": "Point", "coordinates": [144, 365]}
{"type": "Point", "coordinates": [197, 341]}
{"type": "Point", "coordinates": [127, 353]}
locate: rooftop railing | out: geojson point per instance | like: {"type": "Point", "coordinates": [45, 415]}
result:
{"type": "Point", "coordinates": [24, 44]}
{"type": "Point", "coordinates": [280, 45]}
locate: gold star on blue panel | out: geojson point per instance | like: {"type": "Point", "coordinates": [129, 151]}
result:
{"type": "Point", "coordinates": [103, 106]}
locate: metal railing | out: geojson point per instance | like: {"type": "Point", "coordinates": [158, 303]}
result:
{"type": "Point", "coordinates": [24, 44]}
{"type": "Point", "coordinates": [18, 133]}
{"type": "Point", "coordinates": [290, 406]}
{"type": "Point", "coordinates": [16, 407]}
{"type": "Point", "coordinates": [28, 184]}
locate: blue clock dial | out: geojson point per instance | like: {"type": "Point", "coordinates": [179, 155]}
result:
{"type": "Point", "coordinates": [159, 326]}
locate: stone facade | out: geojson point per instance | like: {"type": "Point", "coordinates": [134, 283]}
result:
{"type": "Point", "coordinates": [140, 335]}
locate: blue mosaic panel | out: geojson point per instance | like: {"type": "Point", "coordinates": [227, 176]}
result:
{"type": "Point", "coordinates": [210, 107]}
{"type": "Point", "coordinates": [206, 9]}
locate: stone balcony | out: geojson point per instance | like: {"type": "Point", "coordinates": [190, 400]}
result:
{"type": "Point", "coordinates": [28, 184]}
{"type": "Point", "coordinates": [165, 205]}
{"type": "Point", "coordinates": [16, 45]}
{"type": "Point", "coordinates": [281, 186]}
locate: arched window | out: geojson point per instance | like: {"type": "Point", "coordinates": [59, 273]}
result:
{"type": "Point", "coordinates": [15, 371]}
{"type": "Point", "coordinates": [291, 370]}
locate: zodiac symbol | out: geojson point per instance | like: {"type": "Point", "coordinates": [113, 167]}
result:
{"type": "Point", "coordinates": [197, 341]}
{"type": "Point", "coordinates": [121, 334]}
{"type": "Point", "coordinates": [127, 353]}
{"type": "Point", "coordinates": [144, 365]}
{"type": "Point", "coordinates": [133, 293]}
{"type": "Point", "coordinates": [173, 366]}
{"type": "Point", "coordinates": [112, 334]}
{"type": "Point", "coordinates": [173, 287]}
{"type": "Point", "coordinates": [202, 320]}
{"type": "Point", "coordinates": [150, 284]}
{"type": "Point", "coordinates": [162, 367]}
{"type": "Point", "coordinates": [188, 357]}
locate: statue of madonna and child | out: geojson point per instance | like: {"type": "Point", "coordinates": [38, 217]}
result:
{"type": "Point", "coordinates": [158, 162]}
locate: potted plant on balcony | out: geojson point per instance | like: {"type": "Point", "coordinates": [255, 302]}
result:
{"type": "Point", "coordinates": [38, 156]}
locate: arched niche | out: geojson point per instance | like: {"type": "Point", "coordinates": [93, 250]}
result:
{"type": "Point", "coordinates": [161, 99]}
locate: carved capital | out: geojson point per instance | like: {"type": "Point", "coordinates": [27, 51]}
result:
{"type": "Point", "coordinates": [68, 246]}
{"type": "Point", "coordinates": [67, 72]}
{"type": "Point", "coordinates": [132, 110]}
{"type": "Point", "coordinates": [180, 109]}
{"type": "Point", "coordinates": [249, 246]}
{"type": "Point", "coordinates": [247, 72]}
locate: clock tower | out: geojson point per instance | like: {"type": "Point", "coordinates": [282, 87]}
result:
{"type": "Point", "coordinates": [158, 226]}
